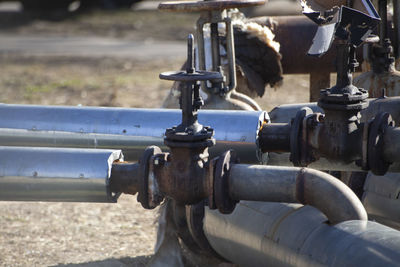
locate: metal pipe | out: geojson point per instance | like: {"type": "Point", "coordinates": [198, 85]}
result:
{"type": "Point", "coordinates": [56, 174]}
{"type": "Point", "coordinates": [299, 30]}
{"type": "Point", "coordinates": [281, 234]}
{"type": "Point", "coordinates": [382, 104]}
{"type": "Point", "coordinates": [131, 130]}
{"type": "Point", "coordinates": [396, 24]}
{"type": "Point", "coordinates": [381, 198]}
{"type": "Point", "coordinates": [284, 114]}
{"type": "Point", "coordinates": [296, 185]}
{"type": "Point", "coordinates": [382, 6]}
{"type": "Point", "coordinates": [124, 178]}
{"type": "Point", "coordinates": [231, 53]}
{"type": "Point", "coordinates": [275, 137]}
{"type": "Point", "coordinates": [295, 35]}
{"type": "Point", "coordinates": [216, 58]}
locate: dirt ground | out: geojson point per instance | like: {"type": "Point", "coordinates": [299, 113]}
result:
{"type": "Point", "coordinates": [81, 234]}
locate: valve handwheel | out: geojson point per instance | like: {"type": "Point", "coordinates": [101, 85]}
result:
{"type": "Point", "coordinates": [195, 6]}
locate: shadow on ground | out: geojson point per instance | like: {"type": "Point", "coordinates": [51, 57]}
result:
{"type": "Point", "coordinates": [138, 261]}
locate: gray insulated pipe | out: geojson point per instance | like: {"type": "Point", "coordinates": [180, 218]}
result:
{"type": "Point", "coordinates": [281, 234]}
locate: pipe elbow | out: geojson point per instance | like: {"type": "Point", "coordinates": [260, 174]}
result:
{"type": "Point", "coordinates": [328, 194]}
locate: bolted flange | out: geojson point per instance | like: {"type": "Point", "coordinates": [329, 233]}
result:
{"type": "Point", "coordinates": [143, 194]}
{"type": "Point", "coordinates": [220, 199]}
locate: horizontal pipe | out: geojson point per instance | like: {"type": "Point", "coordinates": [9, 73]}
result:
{"type": "Point", "coordinates": [285, 113]}
{"type": "Point", "coordinates": [281, 234]}
{"type": "Point", "coordinates": [296, 185]}
{"type": "Point", "coordinates": [275, 137]}
{"type": "Point", "coordinates": [56, 174]}
{"type": "Point", "coordinates": [130, 130]}
{"type": "Point", "coordinates": [125, 178]}
{"type": "Point", "coordinates": [386, 104]}
{"type": "Point", "coordinates": [295, 35]}
{"type": "Point", "coordinates": [381, 198]}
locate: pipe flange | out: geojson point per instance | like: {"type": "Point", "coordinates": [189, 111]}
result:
{"type": "Point", "coordinates": [296, 136]}
{"type": "Point", "coordinates": [195, 6]}
{"type": "Point", "coordinates": [222, 200]}
{"type": "Point", "coordinates": [377, 128]}
{"type": "Point", "coordinates": [144, 163]}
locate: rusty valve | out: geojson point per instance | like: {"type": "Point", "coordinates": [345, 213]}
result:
{"type": "Point", "coordinates": [181, 174]}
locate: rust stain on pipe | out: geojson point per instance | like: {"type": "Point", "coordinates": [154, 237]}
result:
{"type": "Point", "coordinates": [300, 184]}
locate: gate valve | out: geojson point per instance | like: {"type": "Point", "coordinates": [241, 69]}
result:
{"type": "Point", "coordinates": [183, 173]}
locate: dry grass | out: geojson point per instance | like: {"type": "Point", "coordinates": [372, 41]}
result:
{"type": "Point", "coordinates": [48, 234]}
{"type": "Point", "coordinates": [89, 82]}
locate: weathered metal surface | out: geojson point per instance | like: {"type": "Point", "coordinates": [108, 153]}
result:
{"type": "Point", "coordinates": [220, 198]}
{"type": "Point", "coordinates": [279, 234]}
{"type": "Point", "coordinates": [388, 104]}
{"type": "Point", "coordinates": [275, 137]}
{"type": "Point", "coordinates": [56, 174]}
{"type": "Point", "coordinates": [381, 198]}
{"type": "Point", "coordinates": [124, 178]}
{"type": "Point", "coordinates": [295, 34]}
{"type": "Point", "coordinates": [131, 130]}
{"type": "Point", "coordinates": [296, 185]}
{"type": "Point", "coordinates": [195, 6]}
{"type": "Point", "coordinates": [284, 114]}
{"type": "Point", "coordinates": [376, 83]}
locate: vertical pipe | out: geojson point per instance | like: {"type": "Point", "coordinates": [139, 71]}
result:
{"type": "Point", "coordinates": [396, 22]}
{"type": "Point", "coordinates": [200, 48]}
{"type": "Point", "coordinates": [383, 24]}
{"type": "Point", "coordinates": [231, 53]}
{"type": "Point", "coordinates": [216, 58]}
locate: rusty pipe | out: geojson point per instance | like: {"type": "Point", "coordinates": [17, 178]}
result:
{"type": "Point", "coordinates": [124, 178]}
{"type": "Point", "coordinates": [295, 35]}
{"type": "Point", "coordinates": [296, 185]}
{"type": "Point", "coordinates": [275, 137]}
